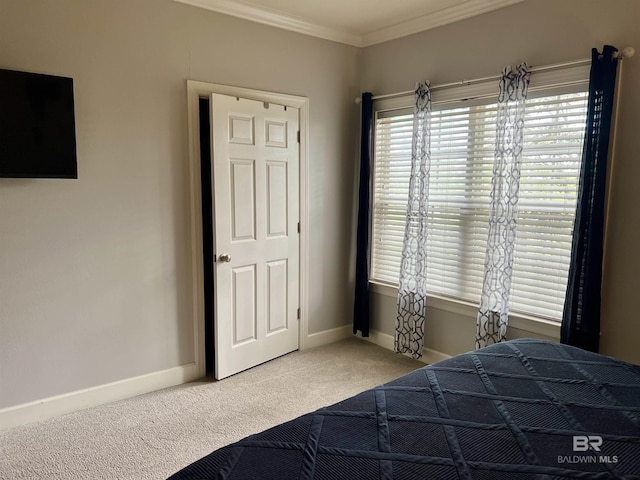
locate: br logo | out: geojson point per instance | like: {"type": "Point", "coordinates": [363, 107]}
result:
{"type": "Point", "coordinates": [582, 443]}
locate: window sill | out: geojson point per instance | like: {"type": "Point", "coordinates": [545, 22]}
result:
{"type": "Point", "coordinates": [526, 323]}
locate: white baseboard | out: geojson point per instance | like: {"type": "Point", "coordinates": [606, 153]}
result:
{"type": "Point", "coordinates": [328, 336]}
{"type": "Point", "coordinates": [98, 395]}
{"type": "Point", "coordinates": [130, 387]}
{"type": "Point", "coordinates": [386, 341]}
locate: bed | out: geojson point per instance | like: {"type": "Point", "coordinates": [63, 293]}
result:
{"type": "Point", "coordinates": [523, 409]}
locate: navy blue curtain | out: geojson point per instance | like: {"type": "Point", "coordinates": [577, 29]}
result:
{"type": "Point", "coordinates": [361, 301]}
{"type": "Point", "coordinates": [581, 317]}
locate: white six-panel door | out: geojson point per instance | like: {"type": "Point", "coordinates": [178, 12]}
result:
{"type": "Point", "coordinates": [256, 242]}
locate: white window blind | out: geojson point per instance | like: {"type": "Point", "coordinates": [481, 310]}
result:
{"type": "Point", "coordinates": [462, 150]}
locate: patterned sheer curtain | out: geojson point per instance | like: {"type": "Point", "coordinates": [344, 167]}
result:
{"type": "Point", "coordinates": [412, 299]}
{"type": "Point", "coordinates": [498, 264]}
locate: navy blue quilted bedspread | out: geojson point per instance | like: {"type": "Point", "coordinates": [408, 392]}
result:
{"type": "Point", "coordinates": [524, 409]}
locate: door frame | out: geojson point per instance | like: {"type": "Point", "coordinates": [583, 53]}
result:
{"type": "Point", "coordinates": [196, 90]}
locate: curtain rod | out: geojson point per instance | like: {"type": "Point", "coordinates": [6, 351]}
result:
{"type": "Point", "coordinates": [627, 52]}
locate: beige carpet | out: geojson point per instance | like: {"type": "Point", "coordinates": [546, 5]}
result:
{"type": "Point", "coordinates": [154, 435]}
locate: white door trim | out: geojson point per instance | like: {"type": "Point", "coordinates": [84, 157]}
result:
{"type": "Point", "coordinates": [195, 90]}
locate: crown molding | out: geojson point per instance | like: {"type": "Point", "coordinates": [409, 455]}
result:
{"type": "Point", "coordinates": [464, 10]}
{"type": "Point", "coordinates": [274, 19]}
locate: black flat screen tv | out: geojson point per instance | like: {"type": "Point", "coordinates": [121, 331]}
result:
{"type": "Point", "coordinates": [37, 126]}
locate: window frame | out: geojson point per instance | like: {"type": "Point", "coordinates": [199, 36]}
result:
{"type": "Point", "coordinates": [556, 81]}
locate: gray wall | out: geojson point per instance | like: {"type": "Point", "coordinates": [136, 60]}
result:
{"type": "Point", "coordinates": [539, 32]}
{"type": "Point", "coordinates": [95, 274]}
{"type": "Point", "coordinates": [95, 281]}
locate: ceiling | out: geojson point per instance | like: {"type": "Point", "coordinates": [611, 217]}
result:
{"type": "Point", "coordinates": [355, 22]}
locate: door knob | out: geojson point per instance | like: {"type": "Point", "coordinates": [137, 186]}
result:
{"type": "Point", "coordinates": [224, 257]}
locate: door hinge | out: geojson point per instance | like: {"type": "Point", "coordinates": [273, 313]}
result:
{"type": "Point", "coordinates": [298, 136]}
{"type": "Point", "coordinates": [298, 227]}
{"type": "Point", "coordinates": [298, 314]}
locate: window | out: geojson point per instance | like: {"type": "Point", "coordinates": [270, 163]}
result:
{"type": "Point", "coordinates": [462, 149]}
